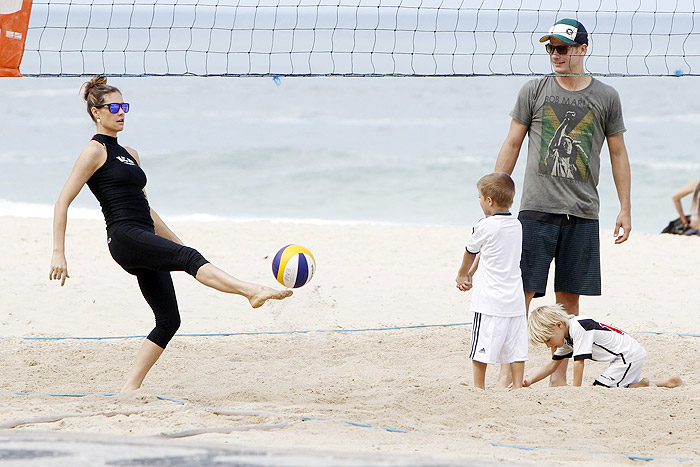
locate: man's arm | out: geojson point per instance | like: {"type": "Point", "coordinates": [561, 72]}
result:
{"type": "Point", "coordinates": [508, 155]}
{"type": "Point", "coordinates": [623, 183]}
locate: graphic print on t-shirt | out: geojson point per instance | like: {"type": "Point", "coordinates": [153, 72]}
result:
{"type": "Point", "coordinates": [567, 137]}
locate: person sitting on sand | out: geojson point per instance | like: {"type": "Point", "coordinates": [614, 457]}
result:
{"type": "Point", "coordinates": [137, 238]}
{"type": "Point", "coordinates": [584, 338]}
{"type": "Point", "coordinates": [692, 224]}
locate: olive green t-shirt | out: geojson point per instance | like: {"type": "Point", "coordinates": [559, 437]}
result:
{"type": "Point", "coordinates": [566, 133]}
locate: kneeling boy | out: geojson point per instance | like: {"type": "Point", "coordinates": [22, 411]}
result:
{"type": "Point", "coordinates": [584, 338]}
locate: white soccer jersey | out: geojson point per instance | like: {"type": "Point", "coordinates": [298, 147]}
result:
{"type": "Point", "coordinates": [589, 338]}
{"type": "Point", "coordinates": [498, 284]}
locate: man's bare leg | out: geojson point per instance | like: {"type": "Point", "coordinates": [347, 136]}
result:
{"type": "Point", "coordinates": [505, 376]}
{"type": "Point", "coordinates": [256, 294]}
{"type": "Point", "coordinates": [570, 303]}
{"type": "Point", "coordinates": [517, 369]}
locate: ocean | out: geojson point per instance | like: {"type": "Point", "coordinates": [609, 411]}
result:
{"type": "Point", "coordinates": [327, 150]}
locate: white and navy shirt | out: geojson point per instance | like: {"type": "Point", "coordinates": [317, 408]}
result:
{"type": "Point", "coordinates": [591, 339]}
{"type": "Point", "coordinates": [498, 284]}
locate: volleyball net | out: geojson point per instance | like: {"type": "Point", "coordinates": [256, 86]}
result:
{"type": "Point", "coordinates": [349, 37]}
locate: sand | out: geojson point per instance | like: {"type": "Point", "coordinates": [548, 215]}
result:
{"type": "Point", "coordinates": [416, 381]}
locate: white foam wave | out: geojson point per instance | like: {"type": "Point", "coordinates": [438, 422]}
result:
{"type": "Point", "coordinates": [674, 165]}
{"type": "Point", "coordinates": [687, 117]}
{"type": "Point", "coordinates": [43, 211]}
{"type": "Point", "coordinates": [200, 217]}
{"type": "Point", "coordinates": [44, 92]}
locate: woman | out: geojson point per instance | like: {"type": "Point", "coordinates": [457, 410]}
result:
{"type": "Point", "coordinates": [692, 224]}
{"type": "Point", "coordinates": [138, 239]}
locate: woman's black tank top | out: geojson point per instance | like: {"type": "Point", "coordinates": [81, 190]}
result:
{"type": "Point", "coordinates": [118, 186]}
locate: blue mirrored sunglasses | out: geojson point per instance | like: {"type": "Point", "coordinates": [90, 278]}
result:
{"type": "Point", "coordinates": [114, 107]}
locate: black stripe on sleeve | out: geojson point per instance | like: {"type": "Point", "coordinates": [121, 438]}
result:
{"type": "Point", "coordinates": [583, 357]}
{"type": "Point", "coordinates": [471, 251]}
{"type": "Point", "coordinates": [561, 357]}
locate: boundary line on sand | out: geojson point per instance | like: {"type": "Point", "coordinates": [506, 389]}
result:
{"type": "Point", "coordinates": [283, 424]}
{"type": "Point", "coordinates": [302, 331]}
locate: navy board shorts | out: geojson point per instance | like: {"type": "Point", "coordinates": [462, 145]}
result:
{"type": "Point", "coordinates": [574, 244]}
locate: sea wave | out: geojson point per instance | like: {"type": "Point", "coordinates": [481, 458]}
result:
{"type": "Point", "coordinates": [668, 164]}
{"type": "Point", "coordinates": [45, 211]}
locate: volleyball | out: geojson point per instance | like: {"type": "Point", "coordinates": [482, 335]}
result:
{"type": "Point", "coordinates": [293, 266]}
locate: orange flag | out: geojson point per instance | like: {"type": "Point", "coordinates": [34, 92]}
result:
{"type": "Point", "coordinates": [14, 21]}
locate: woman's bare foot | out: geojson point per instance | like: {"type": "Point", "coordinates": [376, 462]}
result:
{"type": "Point", "coordinates": [128, 388]}
{"type": "Point", "coordinates": [266, 293]}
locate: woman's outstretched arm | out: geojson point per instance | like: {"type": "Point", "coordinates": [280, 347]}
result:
{"type": "Point", "coordinates": [91, 159]}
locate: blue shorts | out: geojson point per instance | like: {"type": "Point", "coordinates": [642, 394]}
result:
{"type": "Point", "coordinates": [574, 244]}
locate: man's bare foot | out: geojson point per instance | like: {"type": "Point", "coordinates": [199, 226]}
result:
{"type": "Point", "coordinates": [504, 383]}
{"type": "Point", "coordinates": [266, 293]}
{"type": "Point", "coordinates": [556, 382]}
{"type": "Point", "coordinates": [505, 377]}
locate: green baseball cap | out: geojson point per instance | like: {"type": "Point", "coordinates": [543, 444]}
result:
{"type": "Point", "coordinates": [568, 31]}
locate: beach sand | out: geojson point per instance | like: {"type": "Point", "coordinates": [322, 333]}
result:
{"type": "Point", "coordinates": [413, 379]}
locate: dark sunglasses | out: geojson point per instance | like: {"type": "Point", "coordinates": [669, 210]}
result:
{"type": "Point", "coordinates": [561, 49]}
{"type": "Point", "coordinates": [114, 107]}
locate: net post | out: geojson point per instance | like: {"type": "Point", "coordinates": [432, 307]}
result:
{"type": "Point", "coordinates": [14, 22]}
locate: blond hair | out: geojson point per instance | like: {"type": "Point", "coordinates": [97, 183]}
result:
{"type": "Point", "coordinates": [499, 187]}
{"type": "Point", "coordinates": [543, 320]}
{"type": "Point", "coordinates": [94, 91]}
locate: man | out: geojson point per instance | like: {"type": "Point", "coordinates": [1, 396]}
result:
{"type": "Point", "coordinates": [567, 117]}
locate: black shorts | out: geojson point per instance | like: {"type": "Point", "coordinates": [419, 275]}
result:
{"type": "Point", "coordinates": [135, 247]}
{"type": "Point", "coordinates": [574, 244]}
{"type": "Point", "coordinates": [150, 258]}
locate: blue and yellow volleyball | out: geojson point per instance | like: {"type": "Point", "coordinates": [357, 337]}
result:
{"type": "Point", "coordinates": [293, 266]}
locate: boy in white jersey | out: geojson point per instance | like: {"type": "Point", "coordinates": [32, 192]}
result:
{"type": "Point", "coordinates": [584, 338]}
{"type": "Point", "coordinates": [499, 332]}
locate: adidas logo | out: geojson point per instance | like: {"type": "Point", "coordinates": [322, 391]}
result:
{"type": "Point", "coordinates": [125, 160]}
{"type": "Point", "coordinates": [482, 350]}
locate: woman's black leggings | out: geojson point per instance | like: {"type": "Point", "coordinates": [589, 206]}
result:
{"type": "Point", "coordinates": [150, 258]}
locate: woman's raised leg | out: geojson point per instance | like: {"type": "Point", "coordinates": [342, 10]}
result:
{"type": "Point", "coordinates": [256, 294]}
